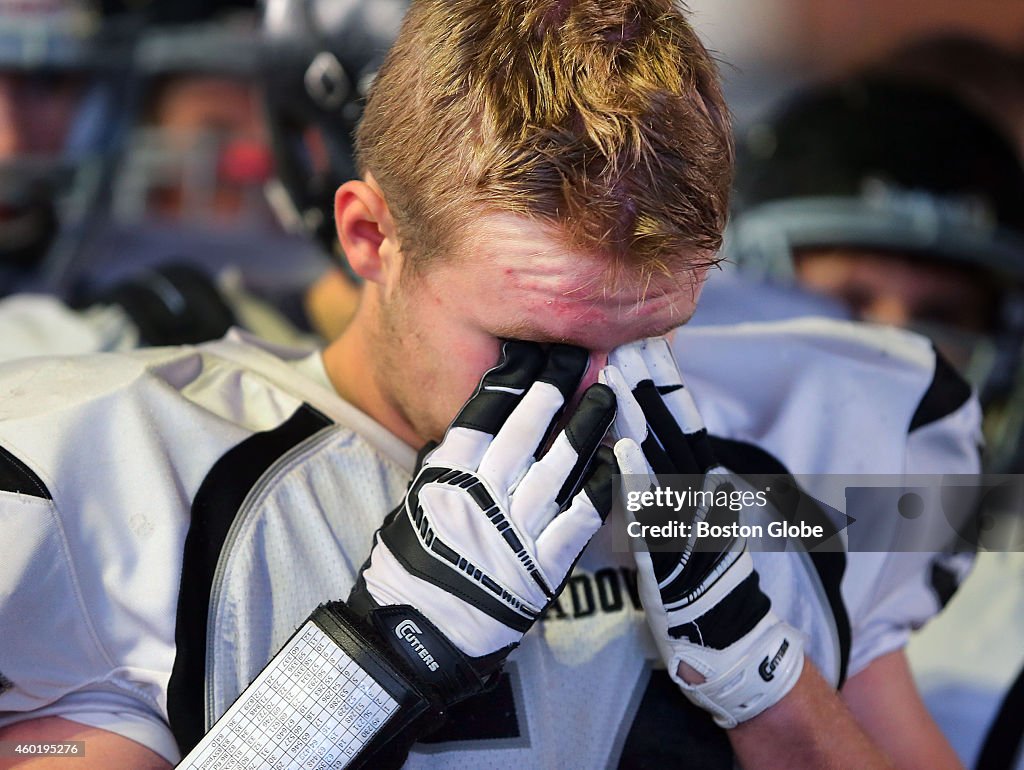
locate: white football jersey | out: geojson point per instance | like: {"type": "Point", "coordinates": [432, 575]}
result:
{"type": "Point", "coordinates": [172, 515]}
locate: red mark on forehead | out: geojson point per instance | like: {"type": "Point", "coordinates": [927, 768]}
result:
{"type": "Point", "coordinates": [599, 326]}
{"type": "Point", "coordinates": [556, 277]}
{"type": "Point", "coordinates": [585, 297]}
{"type": "Point", "coordinates": [571, 310]}
{"type": "Point", "coordinates": [535, 285]}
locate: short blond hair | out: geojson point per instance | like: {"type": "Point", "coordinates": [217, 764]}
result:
{"type": "Point", "coordinates": [604, 118]}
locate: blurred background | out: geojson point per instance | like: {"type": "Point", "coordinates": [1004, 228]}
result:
{"type": "Point", "coordinates": [136, 132]}
{"type": "Point", "coordinates": [770, 47]}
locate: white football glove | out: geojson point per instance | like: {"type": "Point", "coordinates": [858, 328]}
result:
{"type": "Point", "coordinates": [705, 609]}
{"type": "Point", "coordinates": [487, 532]}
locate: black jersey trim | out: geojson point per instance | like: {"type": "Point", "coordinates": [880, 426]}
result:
{"type": "Point", "coordinates": [743, 457]}
{"type": "Point", "coordinates": [1005, 740]}
{"type": "Point", "coordinates": [946, 393]}
{"type": "Point", "coordinates": [213, 511]}
{"type": "Point", "coordinates": [17, 477]}
{"type": "Point", "coordinates": [945, 582]}
{"type": "Point", "coordinates": [667, 730]}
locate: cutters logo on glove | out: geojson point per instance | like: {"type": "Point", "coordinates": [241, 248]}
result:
{"type": "Point", "coordinates": [495, 517]}
{"type": "Point", "coordinates": [767, 668]}
{"type": "Point", "coordinates": [408, 631]}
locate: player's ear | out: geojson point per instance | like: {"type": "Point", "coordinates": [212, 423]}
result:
{"type": "Point", "coordinates": [366, 230]}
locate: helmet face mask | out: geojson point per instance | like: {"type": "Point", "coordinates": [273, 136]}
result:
{"type": "Point", "coordinates": [197, 153]}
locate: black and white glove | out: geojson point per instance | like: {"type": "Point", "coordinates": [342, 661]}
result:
{"type": "Point", "coordinates": [705, 607]}
{"type": "Point", "coordinates": [488, 533]}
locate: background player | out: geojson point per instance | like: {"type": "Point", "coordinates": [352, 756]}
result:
{"type": "Point", "coordinates": [62, 102]}
{"type": "Point", "coordinates": [889, 194]}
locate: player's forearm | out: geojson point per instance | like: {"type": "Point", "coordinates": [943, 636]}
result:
{"type": "Point", "coordinates": [886, 704]}
{"type": "Point", "coordinates": [100, 749]}
{"type": "Point", "coordinates": [808, 728]}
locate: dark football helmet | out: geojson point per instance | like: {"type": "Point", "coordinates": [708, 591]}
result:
{"type": "Point", "coordinates": [322, 57]}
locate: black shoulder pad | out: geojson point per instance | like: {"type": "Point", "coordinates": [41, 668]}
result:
{"type": "Point", "coordinates": [947, 392]}
{"type": "Point", "coordinates": [17, 477]}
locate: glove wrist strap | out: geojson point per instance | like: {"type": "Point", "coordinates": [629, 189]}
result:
{"type": "Point", "coordinates": [415, 645]}
{"type": "Point", "coordinates": [757, 681]}
{"type": "Point", "coordinates": [347, 690]}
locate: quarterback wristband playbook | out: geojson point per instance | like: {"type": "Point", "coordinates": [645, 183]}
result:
{"type": "Point", "coordinates": [344, 691]}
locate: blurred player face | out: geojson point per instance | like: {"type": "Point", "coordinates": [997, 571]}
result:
{"type": "Point", "coordinates": [36, 112]}
{"type": "Point", "coordinates": [901, 292]}
{"type": "Point", "coordinates": [439, 330]}
{"type": "Point", "coordinates": [219, 115]}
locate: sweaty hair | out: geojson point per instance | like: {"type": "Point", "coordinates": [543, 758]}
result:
{"type": "Point", "coordinates": [603, 118]}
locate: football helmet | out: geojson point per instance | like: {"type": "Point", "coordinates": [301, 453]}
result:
{"type": "Point", "coordinates": [323, 55]}
{"type": "Point", "coordinates": [903, 171]}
